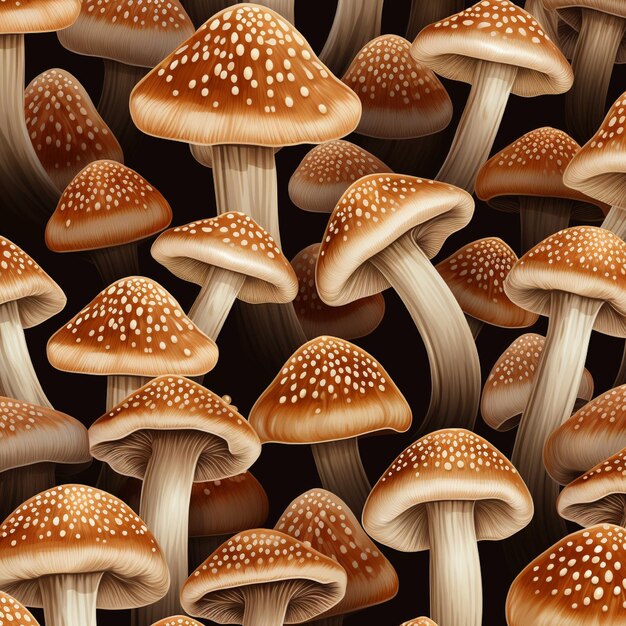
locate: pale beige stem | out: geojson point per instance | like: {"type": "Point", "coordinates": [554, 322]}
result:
{"type": "Point", "coordinates": [70, 599]}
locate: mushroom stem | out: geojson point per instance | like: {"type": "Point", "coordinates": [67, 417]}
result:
{"type": "Point", "coordinates": [477, 129]}
{"type": "Point", "coordinates": [454, 364]}
{"type": "Point", "coordinates": [541, 217]}
{"type": "Point", "coordinates": [116, 262]}
{"type": "Point", "coordinates": [200, 548]}
{"type": "Point", "coordinates": [20, 483]}
{"type": "Point", "coordinates": [545, 18]}
{"type": "Point", "coordinates": [615, 221]}
{"type": "Point", "coordinates": [266, 605]}
{"type": "Point", "coordinates": [341, 471]}
{"type": "Point", "coordinates": [475, 325]}
{"type": "Point", "coordinates": [70, 599]}
{"type": "Point", "coordinates": [282, 7]}
{"type": "Point", "coordinates": [424, 13]}
{"type": "Point", "coordinates": [120, 387]}
{"type": "Point", "coordinates": [455, 580]}
{"type": "Point", "coordinates": [201, 10]}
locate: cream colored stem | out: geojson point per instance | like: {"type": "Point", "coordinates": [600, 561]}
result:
{"type": "Point", "coordinates": [70, 599]}
{"type": "Point", "coordinates": [116, 262]}
{"type": "Point", "coordinates": [615, 221]}
{"type": "Point", "coordinates": [425, 12]}
{"type": "Point", "coordinates": [546, 18]}
{"type": "Point", "coordinates": [283, 7]}
{"type": "Point", "coordinates": [541, 217]}
{"type": "Point", "coordinates": [475, 326]}
{"type": "Point", "coordinates": [266, 605]}
{"type": "Point", "coordinates": [21, 483]}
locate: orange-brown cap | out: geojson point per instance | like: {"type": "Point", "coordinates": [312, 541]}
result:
{"type": "Point", "coordinates": [13, 613]}
{"type": "Point", "coordinates": [419, 621]}
{"type": "Point", "coordinates": [245, 77]}
{"type": "Point", "coordinates": [134, 327]}
{"type": "Point", "coordinates": [37, 16]}
{"type": "Point", "coordinates": [177, 620]}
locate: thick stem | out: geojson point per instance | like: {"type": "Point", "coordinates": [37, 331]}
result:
{"type": "Point", "coordinates": [266, 605]}
{"type": "Point", "coordinates": [21, 483]}
{"type": "Point", "coordinates": [116, 262]}
{"type": "Point", "coordinates": [541, 217]}
{"type": "Point", "coordinates": [201, 10]}
{"type": "Point", "coordinates": [283, 7]}
{"type": "Point", "coordinates": [615, 221]}
{"type": "Point", "coordinates": [70, 599]}
{"type": "Point", "coordinates": [546, 18]}
{"type": "Point", "coordinates": [478, 127]}
{"type": "Point", "coordinates": [475, 326]}
{"type": "Point", "coordinates": [425, 13]}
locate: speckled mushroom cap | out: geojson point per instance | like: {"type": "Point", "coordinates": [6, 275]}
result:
{"type": "Point", "coordinates": [134, 327]}
{"type": "Point", "coordinates": [586, 261]}
{"type": "Point", "coordinates": [419, 621]}
{"type": "Point", "coordinates": [177, 620]}
{"type": "Point", "coordinates": [401, 98]}
{"type": "Point", "coordinates": [373, 213]}
{"type": "Point", "coordinates": [12, 613]}
{"type": "Point", "coordinates": [329, 389]}
{"type": "Point", "coordinates": [246, 76]}
{"type": "Point", "coordinates": [241, 564]}
{"type": "Point", "coordinates": [22, 281]}
{"type": "Point", "coordinates": [495, 31]}
{"type": "Point", "coordinates": [325, 522]}
{"type": "Point", "coordinates": [123, 436]}
{"type": "Point", "coordinates": [475, 274]}
{"type": "Point", "coordinates": [579, 580]}
{"type": "Point", "coordinates": [508, 386]}
{"type": "Point", "coordinates": [327, 171]}
{"type": "Point", "coordinates": [234, 242]}
{"type": "Point", "coordinates": [451, 464]}
{"type": "Point", "coordinates": [76, 529]}
{"type": "Point", "coordinates": [37, 16]}
{"type": "Point", "coordinates": [133, 33]}
{"type": "Point", "coordinates": [65, 127]}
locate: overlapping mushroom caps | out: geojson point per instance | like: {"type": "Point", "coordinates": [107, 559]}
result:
{"type": "Point", "coordinates": [423, 14]}
{"type": "Point", "coordinates": [13, 613]}
{"type": "Point", "coordinates": [382, 234]}
{"type": "Point", "coordinates": [499, 49]}
{"type": "Point", "coordinates": [444, 493]}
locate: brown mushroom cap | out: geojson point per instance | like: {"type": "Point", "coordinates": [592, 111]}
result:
{"type": "Point", "coordinates": [177, 620]}
{"type": "Point", "coordinates": [419, 621]}
{"type": "Point", "coordinates": [37, 16]}
{"type": "Point", "coordinates": [12, 613]}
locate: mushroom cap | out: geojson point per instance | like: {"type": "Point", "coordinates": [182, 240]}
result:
{"type": "Point", "coordinates": [328, 390]}
{"type": "Point", "coordinates": [324, 521]}
{"type": "Point", "coordinates": [373, 213]}
{"type": "Point", "coordinates": [245, 77]}
{"type": "Point", "coordinates": [76, 529]}
{"type": "Point", "coordinates": [579, 580]}
{"type": "Point", "coordinates": [327, 171]}
{"type": "Point", "coordinates": [419, 621]}
{"type": "Point", "coordinates": [134, 327]}
{"type": "Point", "coordinates": [13, 613]}
{"type": "Point", "coordinates": [133, 33]}
{"type": "Point", "coordinates": [241, 563]}
{"type": "Point", "coordinates": [495, 31]}
{"type": "Point", "coordinates": [450, 464]}
{"type": "Point", "coordinates": [177, 620]}
{"type": "Point", "coordinates": [22, 281]}
{"type": "Point", "coordinates": [475, 274]}
{"type": "Point", "coordinates": [508, 386]}
{"type": "Point", "coordinates": [37, 16]}
{"type": "Point", "coordinates": [356, 319]}
{"type": "Point", "coordinates": [585, 260]}
{"type": "Point", "coordinates": [233, 242]}
{"type": "Point", "coordinates": [106, 204]}
{"type": "Point", "coordinates": [400, 97]}
{"type": "Point", "coordinates": [122, 437]}
{"type": "Point", "coordinates": [65, 127]}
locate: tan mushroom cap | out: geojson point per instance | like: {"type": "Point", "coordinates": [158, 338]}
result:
{"type": "Point", "coordinates": [76, 529]}
{"type": "Point", "coordinates": [13, 613]}
{"type": "Point", "coordinates": [327, 171]}
{"type": "Point", "coordinates": [134, 327]}
{"type": "Point", "coordinates": [233, 242]}
{"type": "Point", "coordinates": [584, 260]}
{"type": "Point", "coordinates": [579, 580]}
{"type": "Point", "coordinates": [508, 386]}
{"type": "Point", "coordinates": [37, 16]}
{"type": "Point", "coordinates": [325, 522]}
{"type": "Point", "coordinates": [242, 563]}
{"type": "Point", "coordinates": [246, 76]}
{"type": "Point", "coordinates": [329, 389]}
{"type": "Point", "coordinates": [177, 620]}
{"type": "Point", "coordinates": [450, 464]}
{"type": "Point", "coordinates": [475, 274]}
{"type": "Point", "coordinates": [401, 98]}
{"type": "Point", "coordinates": [419, 621]}
{"type": "Point", "coordinates": [373, 213]}
{"type": "Point", "coordinates": [495, 31]}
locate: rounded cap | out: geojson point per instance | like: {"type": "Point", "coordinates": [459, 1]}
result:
{"type": "Point", "coordinates": [134, 327]}
{"type": "Point", "coordinates": [495, 31]}
{"type": "Point", "coordinates": [75, 529]}
{"type": "Point", "coordinates": [419, 621]}
{"type": "Point", "coordinates": [233, 242]}
{"type": "Point", "coordinates": [587, 261]}
{"type": "Point", "coordinates": [272, 92]}
{"type": "Point", "coordinates": [374, 212]}
{"type": "Point", "coordinates": [329, 389]}
{"type": "Point", "coordinates": [325, 522]}
{"type": "Point", "coordinates": [12, 613]}
{"type": "Point", "coordinates": [400, 97]}
{"type": "Point", "coordinates": [37, 16]}
{"type": "Point", "coordinates": [451, 464]}
{"type": "Point", "coordinates": [327, 171]}
{"type": "Point", "coordinates": [177, 620]}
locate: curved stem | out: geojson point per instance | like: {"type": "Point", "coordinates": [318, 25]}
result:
{"type": "Point", "coordinates": [546, 18]}
{"type": "Point", "coordinates": [475, 325]}
{"type": "Point", "coordinates": [541, 217]}
{"type": "Point", "coordinates": [615, 221]}
{"type": "Point", "coordinates": [282, 7]}
{"type": "Point", "coordinates": [21, 483]}
{"type": "Point", "coordinates": [201, 10]}
{"type": "Point", "coordinates": [425, 13]}
{"type": "Point", "coordinates": [70, 599]}
{"type": "Point", "coordinates": [116, 262]}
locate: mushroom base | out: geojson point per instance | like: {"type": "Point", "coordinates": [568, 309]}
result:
{"type": "Point", "coordinates": [70, 599]}
{"type": "Point", "coordinates": [21, 483]}
{"type": "Point", "coordinates": [541, 217]}
{"type": "Point", "coordinates": [282, 7]}
{"type": "Point", "coordinates": [425, 13]}
{"type": "Point", "coordinates": [116, 262]}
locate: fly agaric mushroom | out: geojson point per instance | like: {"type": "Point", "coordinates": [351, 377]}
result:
{"type": "Point", "coordinates": [497, 56]}
{"type": "Point", "coordinates": [177, 620]}
{"type": "Point", "coordinates": [444, 493]}
{"type": "Point", "coordinates": [383, 233]}
{"type": "Point", "coordinates": [328, 394]}
{"type": "Point", "coordinates": [14, 613]}
{"type": "Point", "coordinates": [264, 577]}
{"type": "Point", "coordinates": [423, 14]}
{"type": "Point", "coordinates": [546, 17]}
{"type": "Point", "coordinates": [419, 621]}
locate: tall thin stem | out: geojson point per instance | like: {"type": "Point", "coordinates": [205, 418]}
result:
{"type": "Point", "coordinates": [615, 221]}
{"type": "Point", "coordinates": [70, 599]}
{"type": "Point", "coordinates": [541, 217]}
{"type": "Point", "coordinates": [424, 13]}
{"type": "Point", "coordinates": [116, 262]}
{"type": "Point", "coordinates": [21, 483]}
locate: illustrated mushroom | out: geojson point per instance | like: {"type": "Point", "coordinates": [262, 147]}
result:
{"type": "Point", "coordinates": [383, 233]}
{"type": "Point", "coordinates": [497, 56]}
{"type": "Point", "coordinates": [444, 493]}
{"type": "Point", "coordinates": [264, 577]}
{"type": "Point", "coordinates": [201, 10]}
{"type": "Point", "coordinates": [328, 394]}
{"type": "Point", "coordinates": [546, 17]}
{"type": "Point", "coordinates": [286, 8]}
{"type": "Point", "coordinates": [419, 621]}
{"type": "Point", "coordinates": [177, 620]}
{"type": "Point", "coordinates": [425, 13]}
{"type": "Point", "coordinates": [72, 549]}
{"type": "Point", "coordinates": [14, 613]}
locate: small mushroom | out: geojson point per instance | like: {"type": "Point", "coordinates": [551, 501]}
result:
{"type": "Point", "coordinates": [177, 620]}
{"type": "Point", "coordinates": [419, 621]}
{"type": "Point", "coordinates": [14, 613]}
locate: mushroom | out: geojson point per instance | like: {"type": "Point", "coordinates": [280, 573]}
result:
{"type": "Point", "coordinates": [497, 56]}
{"type": "Point", "coordinates": [264, 577]}
{"type": "Point", "coordinates": [383, 233]}
{"type": "Point", "coordinates": [327, 395]}
{"type": "Point", "coordinates": [475, 274]}
{"type": "Point", "coordinates": [72, 549]}
{"type": "Point", "coordinates": [425, 13]}
{"type": "Point", "coordinates": [177, 620]}
{"type": "Point", "coordinates": [286, 8]}
{"type": "Point", "coordinates": [546, 17]}
{"type": "Point", "coordinates": [14, 613]}
{"type": "Point", "coordinates": [444, 493]}
{"type": "Point", "coordinates": [171, 433]}
{"type": "Point", "coordinates": [106, 210]}
{"type": "Point", "coordinates": [201, 10]}
{"type": "Point", "coordinates": [419, 621]}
